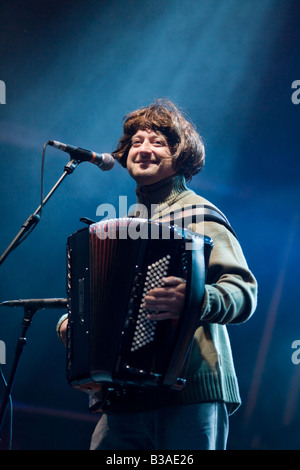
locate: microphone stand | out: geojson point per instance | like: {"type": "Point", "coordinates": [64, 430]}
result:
{"type": "Point", "coordinates": [30, 308]}
{"type": "Point", "coordinates": [34, 218]}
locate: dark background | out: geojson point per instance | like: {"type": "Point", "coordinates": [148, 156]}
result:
{"type": "Point", "coordinates": [72, 70]}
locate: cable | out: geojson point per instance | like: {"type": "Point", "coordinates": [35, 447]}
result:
{"type": "Point", "coordinates": [11, 410]}
{"type": "Point", "coordinates": [42, 177]}
{"type": "Point", "coordinates": [39, 214]}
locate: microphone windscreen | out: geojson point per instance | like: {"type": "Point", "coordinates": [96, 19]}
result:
{"type": "Point", "coordinates": [108, 162]}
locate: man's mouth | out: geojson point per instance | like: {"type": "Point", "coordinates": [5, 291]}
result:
{"type": "Point", "coordinates": [147, 162]}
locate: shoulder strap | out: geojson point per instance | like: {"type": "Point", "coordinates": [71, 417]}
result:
{"type": "Point", "coordinates": [209, 213]}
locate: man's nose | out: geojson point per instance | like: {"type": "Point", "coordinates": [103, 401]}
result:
{"type": "Point", "coordinates": [145, 147]}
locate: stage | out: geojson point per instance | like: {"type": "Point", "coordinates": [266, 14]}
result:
{"type": "Point", "coordinates": [69, 72]}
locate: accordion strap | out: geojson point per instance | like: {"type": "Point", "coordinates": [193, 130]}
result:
{"type": "Point", "coordinates": [209, 214]}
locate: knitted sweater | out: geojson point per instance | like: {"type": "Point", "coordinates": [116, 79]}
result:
{"type": "Point", "coordinates": [230, 297]}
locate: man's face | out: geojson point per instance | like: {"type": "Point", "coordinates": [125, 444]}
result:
{"type": "Point", "coordinates": [149, 159]}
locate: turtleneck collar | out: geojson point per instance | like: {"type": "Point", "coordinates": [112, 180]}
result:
{"type": "Point", "coordinates": [163, 192]}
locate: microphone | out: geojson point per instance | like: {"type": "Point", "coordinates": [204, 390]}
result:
{"type": "Point", "coordinates": [104, 161]}
{"type": "Point", "coordinates": [36, 303]}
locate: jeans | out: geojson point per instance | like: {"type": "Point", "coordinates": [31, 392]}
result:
{"type": "Point", "coordinates": [202, 426]}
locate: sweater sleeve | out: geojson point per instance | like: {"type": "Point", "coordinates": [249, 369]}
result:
{"type": "Point", "coordinates": [231, 289]}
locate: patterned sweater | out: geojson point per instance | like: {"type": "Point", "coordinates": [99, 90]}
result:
{"type": "Point", "coordinates": [230, 297]}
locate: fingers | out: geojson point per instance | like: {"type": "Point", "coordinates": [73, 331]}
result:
{"type": "Point", "coordinates": [166, 301]}
{"type": "Point", "coordinates": [171, 287]}
{"type": "Point", "coordinates": [172, 281]}
{"type": "Point", "coordinates": [162, 316]}
{"type": "Point", "coordinates": [62, 332]}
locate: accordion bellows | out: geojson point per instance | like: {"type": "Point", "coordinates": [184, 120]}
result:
{"type": "Point", "coordinates": [112, 265]}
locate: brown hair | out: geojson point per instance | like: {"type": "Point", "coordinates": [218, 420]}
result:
{"type": "Point", "coordinates": [164, 117]}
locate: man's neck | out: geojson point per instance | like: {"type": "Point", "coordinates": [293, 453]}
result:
{"type": "Point", "coordinates": [162, 192]}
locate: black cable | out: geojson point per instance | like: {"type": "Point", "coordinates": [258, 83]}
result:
{"type": "Point", "coordinates": [17, 244]}
{"type": "Point", "coordinates": [39, 215]}
{"type": "Point", "coordinates": [42, 177]}
{"type": "Point", "coordinates": [11, 409]}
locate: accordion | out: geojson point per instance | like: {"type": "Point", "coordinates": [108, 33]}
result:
{"type": "Point", "coordinates": [111, 265]}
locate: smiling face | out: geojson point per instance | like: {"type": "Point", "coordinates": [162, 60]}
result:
{"type": "Point", "coordinates": [149, 159]}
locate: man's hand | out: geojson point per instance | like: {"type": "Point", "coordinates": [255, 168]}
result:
{"type": "Point", "coordinates": [166, 301]}
{"type": "Point", "coordinates": [62, 333]}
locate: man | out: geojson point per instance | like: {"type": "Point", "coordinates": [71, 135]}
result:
{"type": "Point", "coordinates": [161, 151]}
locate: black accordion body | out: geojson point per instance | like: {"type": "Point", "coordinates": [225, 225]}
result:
{"type": "Point", "coordinates": [111, 266]}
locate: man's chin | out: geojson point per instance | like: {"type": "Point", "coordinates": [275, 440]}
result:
{"type": "Point", "coordinates": [145, 177]}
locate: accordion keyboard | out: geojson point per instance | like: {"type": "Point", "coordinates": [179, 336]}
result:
{"type": "Point", "coordinates": [145, 329]}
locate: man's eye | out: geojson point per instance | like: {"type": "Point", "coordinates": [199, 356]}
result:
{"type": "Point", "coordinates": [136, 142]}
